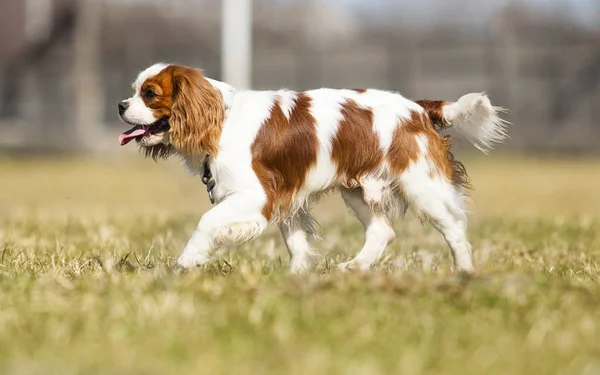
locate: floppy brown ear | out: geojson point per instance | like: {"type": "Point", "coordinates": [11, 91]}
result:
{"type": "Point", "coordinates": [197, 113]}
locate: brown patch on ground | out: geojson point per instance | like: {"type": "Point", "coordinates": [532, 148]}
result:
{"type": "Point", "coordinates": [283, 153]}
{"type": "Point", "coordinates": [355, 148]}
{"type": "Point", "coordinates": [360, 91]}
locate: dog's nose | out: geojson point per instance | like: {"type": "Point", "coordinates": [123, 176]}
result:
{"type": "Point", "coordinates": [123, 107]}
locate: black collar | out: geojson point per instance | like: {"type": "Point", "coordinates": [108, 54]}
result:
{"type": "Point", "coordinates": [208, 179]}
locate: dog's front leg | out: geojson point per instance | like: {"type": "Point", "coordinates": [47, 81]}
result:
{"type": "Point", "coordinates": [236, 219]}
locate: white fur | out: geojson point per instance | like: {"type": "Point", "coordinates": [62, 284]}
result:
{"type": "Point", "coordinates": [149, 72]}
{"type": "Point", "coordinates": [287, 102]}
{"type": "Point", "coordinates": [326, 106]}
{"type": "Point", "coordinates": [474, 116]}
{"type": "Point", "coordinates": [137, 113]}
{"type": "Point", "coordinates": [227, 92]}
{"type": "Point", "coordinates": [378, 231]}
{"type": "Point", "coordinates": [234, 220]}
{"type": "Point", "coordinates": [240, 196]}
{"type": "Point", "coordinates": [297, 232]}
{"type": "Point", "coordinates": [436, 199]}
{"type": "Point", "coordinates": [154, 139]}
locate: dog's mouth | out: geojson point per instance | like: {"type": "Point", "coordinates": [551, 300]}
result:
{"type": "Point", "coordinates": [140, 131]}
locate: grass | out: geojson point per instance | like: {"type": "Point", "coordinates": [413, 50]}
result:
{"type": "Point", "coordinates": [87, 283]}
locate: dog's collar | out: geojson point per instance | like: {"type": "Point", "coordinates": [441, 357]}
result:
{"type": "Point", "coordinates": [208, 179]}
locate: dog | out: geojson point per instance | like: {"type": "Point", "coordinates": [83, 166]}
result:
{"type": "Point", "coordinates": [267, 155]}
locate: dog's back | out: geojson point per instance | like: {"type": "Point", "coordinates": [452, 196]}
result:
{"type": "Point", "coordinates": [304, 143]}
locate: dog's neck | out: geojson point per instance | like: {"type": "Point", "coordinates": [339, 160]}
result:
{"type": "Point", "coordinates": [227, 92]}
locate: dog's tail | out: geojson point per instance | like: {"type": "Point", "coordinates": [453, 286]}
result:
{"type": "Point", "coordinates": [473, 116]}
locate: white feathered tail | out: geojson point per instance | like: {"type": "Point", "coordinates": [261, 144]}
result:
{"type": "Point", "coordinates": [474, 117]}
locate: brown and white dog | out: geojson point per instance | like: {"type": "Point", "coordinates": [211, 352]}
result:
{"type": "Point", "coordinates": [271, 153]}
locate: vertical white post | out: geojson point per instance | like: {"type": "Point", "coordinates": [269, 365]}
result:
{"type": "Point", "coordinates": [37, 18]}
{"type": "Point", "coordinates": [31, 106]}
{"type": "Point", "coordinates": [88, 85]}
{"type": "Point", "coordinates": [236, 43]}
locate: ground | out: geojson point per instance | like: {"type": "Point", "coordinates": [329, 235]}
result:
{"type": "Point", "coordinates": [87, 283]}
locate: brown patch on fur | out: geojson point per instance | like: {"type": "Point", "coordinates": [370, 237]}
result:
{"type": "Point", "coordinates": [360, 91]}
{"type": "Point", "coordinates": [194, 107]}
{"type": "Point", "coordinates": [437, 146]}
{"type": "Point", "coordinates": [434, 109]}
{"type": "Point", "coordinates": [454, 169]}
{"type": "Point", "coordinates": [404, 149]}
{"type": "Point", "coordinates": [197, 113]}
{"type": "Point", "coordinates": [355, 148]}
{"type": "Point", "coordinates": [283, 152]}
{"type": "Point", "coordinates": [460, 176]}
{"type": "Point", "coordinates": [162, 86]}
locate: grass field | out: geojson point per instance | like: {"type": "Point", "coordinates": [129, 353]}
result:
{"type": "Point", "coordinates": [87, 283]}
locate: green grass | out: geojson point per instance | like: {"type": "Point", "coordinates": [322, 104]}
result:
{"type": "Point", "coordinates": [87, 283]}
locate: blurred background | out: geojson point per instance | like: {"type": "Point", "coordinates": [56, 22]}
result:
{"type": "Point", "coordinates": [64, 64]}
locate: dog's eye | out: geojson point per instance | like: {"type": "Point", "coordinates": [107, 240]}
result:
{"type": "Point", "coordinates": [150, 94]}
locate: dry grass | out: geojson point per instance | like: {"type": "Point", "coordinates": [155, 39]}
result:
{"type": "Point", "coordinates": [87, 283]}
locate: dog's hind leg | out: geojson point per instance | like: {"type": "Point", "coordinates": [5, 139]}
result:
{"type": "Point", "coordinates": [437, 199]}
{"type": "Point", "coordinates": [368, 206]}
{"type": "Point", "coordinates": [297, 232]}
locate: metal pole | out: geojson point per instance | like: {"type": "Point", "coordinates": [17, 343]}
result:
{"type": "Point", "coordinates": [236, 43]}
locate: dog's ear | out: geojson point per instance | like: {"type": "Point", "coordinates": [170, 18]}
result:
{"type": "Point", "coordinates": [197, 113]}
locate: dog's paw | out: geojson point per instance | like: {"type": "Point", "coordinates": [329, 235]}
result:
{"type": "Point", "coordinates": [300, 266]}
{"type": "Point", "coordinates": [189, 260]}
{"type": "Point", "coordinates": [353, 265]}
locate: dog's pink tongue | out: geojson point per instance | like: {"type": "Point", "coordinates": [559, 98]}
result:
{"type": "Point", "coordinates": [130, 134]}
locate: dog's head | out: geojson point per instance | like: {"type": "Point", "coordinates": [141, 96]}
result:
{"type": "Point", "coordinates": [173, 109]}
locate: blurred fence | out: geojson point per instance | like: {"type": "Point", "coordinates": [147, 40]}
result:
{"type": "Point", "coordinates": [59, 87]}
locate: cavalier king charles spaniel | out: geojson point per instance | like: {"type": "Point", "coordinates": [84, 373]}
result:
{"type": "Point", "coordinates": [267, 155]}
